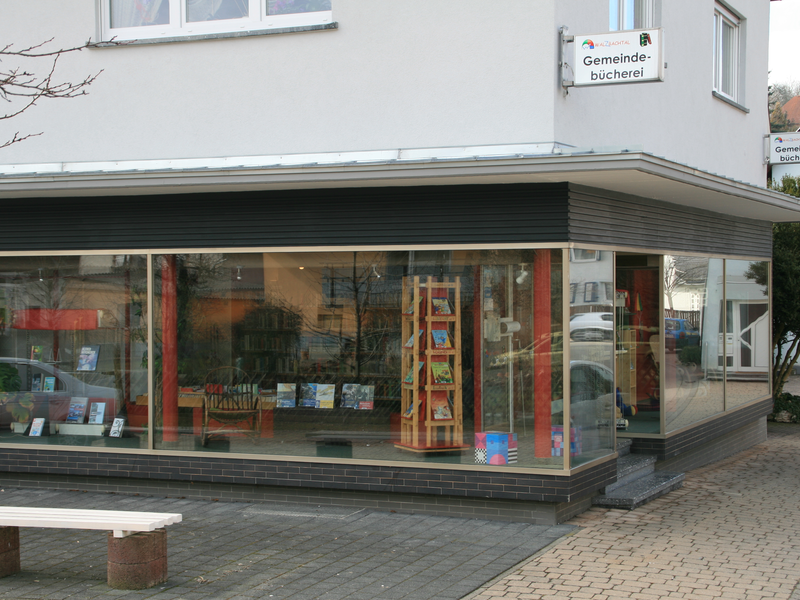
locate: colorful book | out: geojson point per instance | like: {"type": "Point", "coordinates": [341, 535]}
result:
{"type": "Point", "coordinates": [441, 339]}
{"type": "Point", "coordinates": [37, 425]}
{"type": "Point", "coordinates": [366, 397]}
{"type": "Point", "coordinates": [410, 377]}
{"type": "Point", "coordinates": [117, 427]}
{"type": "Point", "coordinates": [96, 412]}
{"type": "Point", "coordinates": [36, 382]}
{"type": "Point", "coordinates": [410, 342]}
{"type": "Point", "coordinates": [77, 408]}
{"type": "Point", "coordinates": [49, 384]}
{"type": "Point", "coordinates": [410, 411]}
{"type": "Point", "coordinates": [441, 306]}
{"type": "Point", "coordinates": [411, 307]}
{"type": "Point", "coordinates": [350, 395]}
{"type": "Point", "coordinates": [324, 394]}
{"type": "Point", "coordinates": [441, 406]}
{"type": "Point", "coordinates": [37, 352]}
{"type": "Point", "coordinates": [87, 360]}
{"type": "Point", "coordinates": [286, 395]}
{"type": "Point", "coordinates": [441, 372]}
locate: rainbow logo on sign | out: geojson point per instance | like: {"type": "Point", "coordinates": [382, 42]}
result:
{"type": "Point", "coordinates": [588, 44]}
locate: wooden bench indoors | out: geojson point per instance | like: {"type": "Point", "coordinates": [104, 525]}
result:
{"type": "Point", "coordinates": [137, 541]}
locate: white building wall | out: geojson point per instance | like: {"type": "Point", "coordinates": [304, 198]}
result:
{"type": "Point", "coordinates": [419, 74]}
{"type": "Point", "coordinates": [678, 118]}
{"type": "Point", "coordinates": [426, 73]}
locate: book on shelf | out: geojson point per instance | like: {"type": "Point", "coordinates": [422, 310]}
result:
{"type": "Point", "coordinates": [116, 427]}
{"type": "Point", "coordinates": [308, 395]}
{"type": "Point", "coordinates": [87, 359]}
{"type": "Point", "coordinates": [49, 384]}
{"type": "Point", "coordinates": [441, 339]}
{"type": "Point", "coordinates": [36, 382]}
{"type": "Point", "coordinates": [37, 425]}
{"type": "Point", "coordinates": [441, 372]}
{"type": "Point", "coordinates": [96, 413]}
{"type": "Point", "coordinates": [325, 394]}
{"type": "Point", "coordinates": [350, 395]}
{"type": "Point", "coordinates": [412, 306]}
{"type": "Point", "coordinates": [410, 342]}
{"type": "Point", "coordinates": [410, 377]}
{"type": "Point", "coordinates": [441, 406]}
{"type": "Point", "coordinates": [77, 408]}
{"type": "Point", "coordinates": [441, 306]}
{"type": "Point", "coordinates": [366, 397]}
{"type": "Point", "coordinates": [287, 392]}
{"type": "Point", "coordinates": [409, 411]}
{"type": "Point", "coordinates": [37, 352]}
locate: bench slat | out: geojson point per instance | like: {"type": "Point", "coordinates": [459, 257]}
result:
{"type": "Point", "coordinates": [120, 522]}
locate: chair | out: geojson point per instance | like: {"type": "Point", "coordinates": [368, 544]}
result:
{"type": "Point", "coordinates": [231, 405]}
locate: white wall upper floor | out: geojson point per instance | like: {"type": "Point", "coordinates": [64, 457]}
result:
{"type": "Point", "coordinates": [427, 73]}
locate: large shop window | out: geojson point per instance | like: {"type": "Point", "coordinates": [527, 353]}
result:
{"type": "Point", "coordinates": [435, 356]}
{"type": "Point", "coordinates": [149, 19]}
{"type": "Point", "coordinates": [73, 339]}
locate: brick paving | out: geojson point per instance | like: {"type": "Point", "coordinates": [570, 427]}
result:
{"type": "Point", "coordinates": [732, 532]}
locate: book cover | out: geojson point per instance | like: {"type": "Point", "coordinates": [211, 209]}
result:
{"type": "Point", "coordinates": [308, 395]}
{"type": "Point", "coordinates": [366, 397]}
{"type": "Point", "coordinates": [412, 307]}
{"type": "Point", "coordinates": [441, 306]}
{"type": "Point", "coordinates": [96, 412]}
{"type": "Point", "coordinates": [410, 377]}
{"type": "Point", "coordinates": [117, 427]}
{"type": "Point", "coordinates": [77, 408]}
{"type": "Point", "coordinates": [37, 425]}
{"type": "Point", "coordinates": [409, 411]}
{"type": "Point", "coordinates": [87, 359]}
{"type": "Point", "coordinates": [49, 384]}
{"type": "Point", "coordinates": [441, 406]}
{"type": "Point", "coordinates": [287, 392]}
{"type": "Point", "coordinates": [325, 393]}
{"type": "Point", "coordinates": [36, 382]}
{"type": "Point", "coordinates": [441, 372]}
{"type": "Point", "coordinates": [350, 395]}
{"type": "Point", "coordinates": [410, 342]}
{"type": "Point", "coordinates": [441, 339]}
{"type": "Point", "coordinates": [37, 352]}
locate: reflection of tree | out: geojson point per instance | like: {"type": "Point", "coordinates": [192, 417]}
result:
{"type": "Point", "coordinates": [680, 271]}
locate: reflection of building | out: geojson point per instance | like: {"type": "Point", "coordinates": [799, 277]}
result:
{"type": "Point", "coordinates": [269, 229]}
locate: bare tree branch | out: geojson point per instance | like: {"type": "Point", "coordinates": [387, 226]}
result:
{"type": "Point", "coordinates": [22, 88]}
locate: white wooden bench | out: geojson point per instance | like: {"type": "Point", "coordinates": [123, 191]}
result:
{"type": "Point", "coordinates": [137, 541]}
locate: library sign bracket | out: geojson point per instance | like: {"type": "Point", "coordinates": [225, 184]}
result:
{"type": "Point", "coordinates": [634, 56]}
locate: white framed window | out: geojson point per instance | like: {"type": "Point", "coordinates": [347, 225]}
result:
{"type": "Point", "coordinates": [581, 255]}
{"type": "Point", "coordinates": [631, 14]}
{"type": "Point", "coordinates": [154, 19]}
{"type": "Point", "coordinates": [727, 40]}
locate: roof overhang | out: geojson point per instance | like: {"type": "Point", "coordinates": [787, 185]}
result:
{"type": "Point", "coordinates": [620, 171]}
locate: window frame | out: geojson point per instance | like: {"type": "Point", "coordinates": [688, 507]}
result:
{"type": "Point", "coordinates": [257, 21]}
{"type": "Point", "coordinates": [624, 14]}
{"type": "Point", "coordinates": [729, 60]}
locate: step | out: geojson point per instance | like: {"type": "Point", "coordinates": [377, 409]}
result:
{"type": "Point", "coordinates": [624, 446]}
{"type": "Point", "coordinates": [640, 491]}
{"type": "Point", "coordinates": [631, 467]}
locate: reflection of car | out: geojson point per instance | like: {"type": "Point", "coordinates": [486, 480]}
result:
{"type": "Point", "coordinates": [52, 405]}
{"type": "Point", "coordinates": [591, 327]}
{"type": "Point", "coordinates": [679, 333]}
{"type": "Point", "coordinates": [591, 392]}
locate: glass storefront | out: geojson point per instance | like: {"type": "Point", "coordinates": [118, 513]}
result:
{"type": "Point", "coordinates": [436, 356]}
{"type": "Point", "coordinates": [73, 349]}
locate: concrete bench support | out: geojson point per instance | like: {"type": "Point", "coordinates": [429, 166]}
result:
{"type": "Point", "coordinates": [138, 561]}
{"type": "Point", "coordinates": [9, 551]}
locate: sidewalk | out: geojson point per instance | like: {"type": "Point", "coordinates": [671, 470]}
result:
{"type": "Point", "coordinates": [732, 532]}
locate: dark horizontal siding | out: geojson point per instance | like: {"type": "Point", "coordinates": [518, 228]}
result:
{"type": "Point", "coordinates": [599, 217]}
{"type": "Point", "coordinates": [359, 216]}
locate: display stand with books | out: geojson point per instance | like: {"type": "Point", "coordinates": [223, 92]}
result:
{"type": "Point", "coordinates": [431, 418]}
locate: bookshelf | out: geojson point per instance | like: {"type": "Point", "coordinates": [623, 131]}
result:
{"type": "Point", "coordinates": [431, 418]}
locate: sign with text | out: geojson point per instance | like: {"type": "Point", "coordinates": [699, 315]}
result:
{"type": "Point", "coordinates": [619, 57]}
{"type": "Point", "coordinates": [784, 148]}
